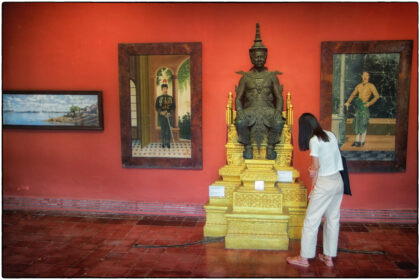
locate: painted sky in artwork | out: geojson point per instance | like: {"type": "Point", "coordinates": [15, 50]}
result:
{"type": "Point", "coordinates": [46, 102]}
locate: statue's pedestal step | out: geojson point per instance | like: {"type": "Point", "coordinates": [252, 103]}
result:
{"type": "Point", "coordinates": [297, 216]}
{"type": "Point", "coordinates": [227, 198]}
{"type": "Point", "coordinates": [216, 225]}
{"type": "Point", "coordinates": [257, 231]}
{"type": "Point", "coordinates": [231, 173]}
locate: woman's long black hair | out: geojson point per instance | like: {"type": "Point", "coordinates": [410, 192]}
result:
{"type": "Point", "coordinates": [308, 127]}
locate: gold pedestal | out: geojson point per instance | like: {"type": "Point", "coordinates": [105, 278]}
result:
{"type": "Point", "coordinates": [216, 209]}
{"type": "Point", "coordinates": [216, 225]}
{"type": "Point", "coordinates": [248, 198]}
{"type": "Point", "coordinates": [295, 201]}
{"type": "Point", "coordinates": [257, 231]}
{"type": "Point", "coordinates": [257, 218]}
{"type": "Point", "coordinates": [297, 216]}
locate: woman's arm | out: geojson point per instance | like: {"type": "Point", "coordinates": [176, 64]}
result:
{"type": "Point", "coordinates": [313, 170]}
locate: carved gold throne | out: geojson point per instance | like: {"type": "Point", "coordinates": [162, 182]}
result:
{"type": "Point", "coordinates": [257, 203]}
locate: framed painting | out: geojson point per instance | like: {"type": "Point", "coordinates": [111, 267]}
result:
{"type": "Point", "coordinates": [42, 109]}
{"type": "Point", "coordinates": [160, 105]}
{"type": "Point", "coordinates": [365, 90]}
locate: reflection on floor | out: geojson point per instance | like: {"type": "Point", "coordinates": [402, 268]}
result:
{"type": "Point", "coordinates": [177, 150]}
{"type": "Point", "coordinates": [52, 244]}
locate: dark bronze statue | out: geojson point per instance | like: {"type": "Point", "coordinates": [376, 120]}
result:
{"type": "Point", "coordinates": [260, 116]}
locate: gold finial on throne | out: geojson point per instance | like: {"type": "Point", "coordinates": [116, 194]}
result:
{"type": "Point", "coordinates": [229, 110]}
{"type": "Point", "coordinates": [289, 110]}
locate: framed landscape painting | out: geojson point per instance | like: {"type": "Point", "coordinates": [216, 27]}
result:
{"type": "Point", "coordinates": [160, 105]}
{"type": "Point", "coordinates": [365, 90]}
{"type": "Point", "coordinates": [53, 110]}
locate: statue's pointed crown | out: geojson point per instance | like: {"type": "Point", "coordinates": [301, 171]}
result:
{"type": "Point", "coordinates": [258, 41]}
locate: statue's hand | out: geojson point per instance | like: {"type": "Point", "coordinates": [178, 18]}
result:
{"type": "Point", "coordinates": [277, 114]}
{"type": "Point", "coordinates": [240, 114]}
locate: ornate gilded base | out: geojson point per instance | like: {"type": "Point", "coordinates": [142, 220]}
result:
{"type": "Point", "coordinates": [229, 188]}
{"type": "Point", "coordinates": [262, 202]}
{"type": "Point", "coordinates": [257, 231]}
{"type": "Point", "coordinates": [231, 173]}
{"type": "Point", "coordinates": [257, 220]}
{"type": "Point", "coordinates": [294, 201]}
{"type": "Point", "coordinates": [217, 207]}
{"type": "Point", "coordinates": [216, 225]}
{"type": "Point", "coordinates": [297, 216]}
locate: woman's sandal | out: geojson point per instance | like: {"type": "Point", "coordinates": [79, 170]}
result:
{"type": "Point", "coordinates": [297, 261]}
{"type": "Point", "coordinates": [327, 261]}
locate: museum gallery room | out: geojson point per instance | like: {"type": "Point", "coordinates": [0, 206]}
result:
{"type": "Point", "coordinates": [168, 140]}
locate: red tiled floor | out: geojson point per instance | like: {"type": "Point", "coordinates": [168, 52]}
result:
{"type": "Point", "coordinates": [49, 244]}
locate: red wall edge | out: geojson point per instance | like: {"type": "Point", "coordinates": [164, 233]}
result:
{"type": "Point", "coordinates": [73, 46]}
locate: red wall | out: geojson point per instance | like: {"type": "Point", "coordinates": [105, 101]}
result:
{"type": "Point", "coordinates": [73, 46]}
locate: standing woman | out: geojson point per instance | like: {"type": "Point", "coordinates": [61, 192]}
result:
{"type": "Point", "coordinates": [325, 198]}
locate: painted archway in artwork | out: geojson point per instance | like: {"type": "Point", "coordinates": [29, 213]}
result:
{"type": "Point", "coordinates": [184, 99]}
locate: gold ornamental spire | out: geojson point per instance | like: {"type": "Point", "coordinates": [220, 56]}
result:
{"type": "Point", "coordinates": [229, 107]}
{"type": "Point", "coordinates": [289, 108]}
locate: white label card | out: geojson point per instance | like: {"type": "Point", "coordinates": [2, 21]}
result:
{"type": "Point", "coordinates": [259, 185]}
{"type": "Point", "coordinates": [285, 176]}
{"type": "Point", "coordinates": [217, 191]}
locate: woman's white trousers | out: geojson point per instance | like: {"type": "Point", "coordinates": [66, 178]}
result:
{"type": "Point", "coordinates": [324, 200]}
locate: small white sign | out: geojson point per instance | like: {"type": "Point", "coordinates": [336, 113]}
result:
{"type": "Point", "coordinates": [217, 191]}
{"type": "Point", "coordinates": [285, 176]}
{"type": "Point", "coordinates": [259, 185]}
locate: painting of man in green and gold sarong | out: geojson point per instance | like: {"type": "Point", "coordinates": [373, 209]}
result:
{"type": "Point", "coordinates": [362, 101]}
{"type": "Point", "coordinates": [364, 104]}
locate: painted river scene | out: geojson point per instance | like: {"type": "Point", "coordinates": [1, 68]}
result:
{"type": "Point", "coordinates": [50, 110]}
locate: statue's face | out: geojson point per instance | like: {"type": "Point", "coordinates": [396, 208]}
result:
{"type": "Point", "coordinates": [258, 58]}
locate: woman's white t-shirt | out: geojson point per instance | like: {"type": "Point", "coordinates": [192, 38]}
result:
{"type": "Point", "coordinates": [328, 154]}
